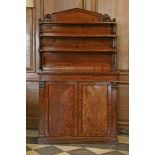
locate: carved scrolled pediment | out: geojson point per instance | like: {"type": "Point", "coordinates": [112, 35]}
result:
{"type": "Point", "coordinates": [47, 18]}
{"type": "Point", "coordinates": [106, 18]}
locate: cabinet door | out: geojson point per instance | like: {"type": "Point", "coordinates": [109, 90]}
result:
{"type": "Point", "coordinates": [62, 97]}
{"type": "Point", "coordinates": [95, 109]}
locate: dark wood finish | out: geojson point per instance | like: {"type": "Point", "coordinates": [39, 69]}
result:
{"type": "Point", "coordinates": [118, 10]}
{"type": "Point", "coordinates": [72, 16]}
{"type": "Point", "coordinates": [78, 89]}
{"type": "Point", "coordinates": [78, 139]}
{"type": "Point", "coordinates": [42, 7]}
{"type": "Point", "coordinates": [62, 109]}
{"type": "Point", "coordinates": [32, 102]}
{"type": "Point", "coordinates": [123, 102]}
{"type": "Point", "coordinates": [32, 63]}
{"type": "Point", "coordinates": [32, 87]}
{"type": "Point", "coordinates": [63, 63]}
{"type": "Point", "coordinates": [93, 114]}
{"type": "Point", "coordinates": [123, 108]}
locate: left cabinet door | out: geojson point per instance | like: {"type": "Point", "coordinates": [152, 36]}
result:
{"type": "Point", "coordinates": [60, 109]}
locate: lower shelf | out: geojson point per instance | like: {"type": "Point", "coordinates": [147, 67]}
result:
{"type": "Point", "coordinates": [78, 140]}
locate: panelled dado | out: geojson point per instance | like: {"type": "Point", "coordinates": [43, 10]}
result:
{"type": "Point", "coordinates": [78, 89]}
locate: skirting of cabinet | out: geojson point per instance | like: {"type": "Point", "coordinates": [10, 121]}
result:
{"type": "Point", "coordinates": [75, 140]}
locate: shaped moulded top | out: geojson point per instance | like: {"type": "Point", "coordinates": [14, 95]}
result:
{"type": "Point", "coordinates": [76, 15]}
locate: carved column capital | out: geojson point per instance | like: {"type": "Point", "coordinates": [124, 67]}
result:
{"type": "Point", "coordinates": [114, 85]}
{"type": "Point", "coordinates": [41, 84]}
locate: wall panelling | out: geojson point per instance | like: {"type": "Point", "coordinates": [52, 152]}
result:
{"type": "Point", "coordinates": [32, 86]}
{"type": "Point", "coordinates": [116, 9]}
{"type": "Point", "coordinates": [32, 100]}
{"type": "Point", "coordinates": [122, 16]}
{"type": "Point", "coordinates": [30, 48]}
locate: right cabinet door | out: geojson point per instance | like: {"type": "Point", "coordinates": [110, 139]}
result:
{"type": "Point", "coordinates": [97, 109]}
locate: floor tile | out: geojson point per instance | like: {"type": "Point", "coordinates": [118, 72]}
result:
{"type": "Point", "coordinates": [99, 151]}
{"type": "Point", "coordinates": [67, 148]}
{"type": "Point", "coordinates": [121, 147]}
{"type": "Point", "coordinates": [50, 150]}
{"type": "Point", "coordinates": [28, 148]}
{"type": "Point", "coordinates": [113, 153]}
{"type": "Point", "coordinates": [31, 133]}
{"type": "Point", "coordinates": [36, 146]}
{"type": "Point", "coordinates": [124, 152]}
{"type": "Point", "coordinates": [32, 152]}
{"type": "Point", "coordinates": [123, 139]}
{"type": "Point", "coordinates": [33, 148]}
{"type": "Point", "coordinates": [31, 140]}
{"type": "Point", "coordinates": [81, 151]}
{"type": "Point", "coordinates": [63, 153]}
{"type": "Point", "coordinates": [101, 146]}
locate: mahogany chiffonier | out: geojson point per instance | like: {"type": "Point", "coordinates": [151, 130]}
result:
{"type": "Point", "coordinates": [78, 77]}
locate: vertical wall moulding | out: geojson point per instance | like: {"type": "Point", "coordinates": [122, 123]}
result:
{"type": "Point", "coordinates": [122, 16]}
{"type": "Point", "coordinates": [95, 5]}
{"type": "Point", "coordinates": [83, 4]}
{"type": "Point", "coordinates": [41, 8]}
{"type": "Point", "coordinates": [106, 6]}
{"type": "Point", "coordinates": [30, 3]}
{"type": "Point", "coordinates": [90, 5]}
{"type": "Point", "coordinates": [30, 36]}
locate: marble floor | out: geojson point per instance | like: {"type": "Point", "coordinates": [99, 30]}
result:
{"type": "Point", "coordinates": [32, 148]}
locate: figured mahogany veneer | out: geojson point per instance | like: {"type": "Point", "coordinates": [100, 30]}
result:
{"type": "Point", "coordinates": [78, 89]}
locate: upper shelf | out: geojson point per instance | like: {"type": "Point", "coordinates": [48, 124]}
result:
{"type": "Point", "coordinates": [75, 35]}
{"type": "Point", "coordinates": [85, 24]}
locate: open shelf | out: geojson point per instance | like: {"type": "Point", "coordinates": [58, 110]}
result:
{"type": "Point", "coordinates": [75, 35]}
{"type": "Point", "coordinates": [76, 24]}
{"type": "Point", "coordinates": [60, 49]}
